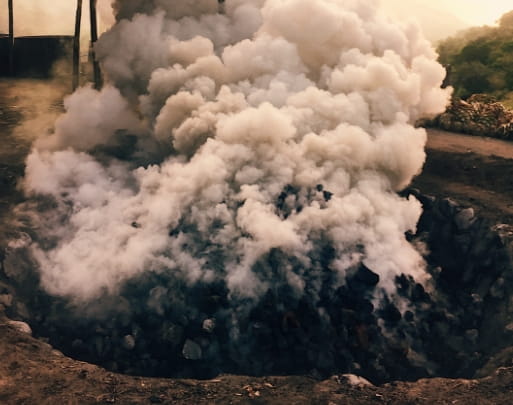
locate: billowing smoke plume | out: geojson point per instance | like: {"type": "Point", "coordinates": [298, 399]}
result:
{"type": "Point", "coordinates": [260, 149]}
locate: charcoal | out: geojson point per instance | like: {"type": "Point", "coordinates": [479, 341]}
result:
{"type": "Point", "coordinates": [209, 325]}
{"type": "Point", "coordinates": [448, 207]}
{"type": "Point", "coordinates": [366, 276]}
{"type": "Point", "coordinates": [391, 314]}
{"type": "Point", "coordinates": [158, 326]}
{"type": "Point", "coordinates": [464, 219]}
{"type": "Point", "coordinates": [6, 300]}
{"type": "Point", "coordinates": [191, 350]}
{"type": "Point", "coordinates": [128, 342]}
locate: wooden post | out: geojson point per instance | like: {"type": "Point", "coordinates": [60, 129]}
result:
{"type": "Point", "coordinates": [220, 6]}
{"type": "Point", "coordinates": [76, 46]}
{"type": "Point", "coordinates": [11, 37]}
{"type": "Point", "coordinates": [97, 74]}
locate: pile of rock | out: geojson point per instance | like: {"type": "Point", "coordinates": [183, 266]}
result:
{"type": "Point", "coordinates": [479, 115]}
{"type": "Point", "coordinates": [159, 326]}
{"type": "Point", "coordinates": [472, 269]}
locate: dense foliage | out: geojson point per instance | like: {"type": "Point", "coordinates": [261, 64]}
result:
{"type": "Point", "coordinates": [480, 60]}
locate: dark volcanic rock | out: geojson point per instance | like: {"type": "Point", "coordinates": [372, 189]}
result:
{"type": "Point", "coordinates": [159, 326]}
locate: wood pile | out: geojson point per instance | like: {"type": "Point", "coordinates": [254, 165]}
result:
{"type": "Point", "coordinates": [480, 115]}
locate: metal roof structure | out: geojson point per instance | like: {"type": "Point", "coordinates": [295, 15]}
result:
{"type": "Point", "coordinates": [76, 41]}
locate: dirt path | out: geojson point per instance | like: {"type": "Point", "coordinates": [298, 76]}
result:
{"type": "Point", "coordinates": [460, 143]}
{"type": "Point", "coordinates": [476, 171]}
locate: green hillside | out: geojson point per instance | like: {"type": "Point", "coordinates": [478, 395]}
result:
{"type": "Point", "coordinates": [480, 60]}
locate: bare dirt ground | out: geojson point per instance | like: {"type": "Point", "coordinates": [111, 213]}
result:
{"type": "Point", "coordinates": [32, 373]}
{"type": "Point", "coordinates": [473, 171]}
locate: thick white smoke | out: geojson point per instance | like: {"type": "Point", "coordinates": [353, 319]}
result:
{"type": "Point", "coordinates": [220, 138]}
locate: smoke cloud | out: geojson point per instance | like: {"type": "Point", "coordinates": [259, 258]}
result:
{"type": "Point", "coordinates": [280, 125]}
{"type": "Point", "coordinates": [228, 202]}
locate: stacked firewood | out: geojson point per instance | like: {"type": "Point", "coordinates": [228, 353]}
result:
{"type": "Point", "coordinates": [479, 115]}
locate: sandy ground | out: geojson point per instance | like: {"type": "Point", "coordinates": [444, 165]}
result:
{"type": "Point", "coordinates": [474, 171]}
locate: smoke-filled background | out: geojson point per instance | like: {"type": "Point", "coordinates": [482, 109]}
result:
{"type": "Point", "coordinates": [253, 155]}
{"type": "Point", "coordinates": [51, 17]}
{"type": "Point", "coordinates": [437, 18]}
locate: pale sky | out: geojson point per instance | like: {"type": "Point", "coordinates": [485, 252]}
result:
{"type": "Point", "coordinates": [476, 12]}
{"type": "Point", "coordinates": [441, 18]}
{"type": "Point", "coordinates": [437, 17]}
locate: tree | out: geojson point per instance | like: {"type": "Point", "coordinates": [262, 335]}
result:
{"type": "Point", "coordinates": [476, 51]}
{"type": "Point", "coordinates": [506, 21]}
{"type": "Point", "coordinates": [481, 59]}
{"type": "Point", "coordinates": [473, 78]}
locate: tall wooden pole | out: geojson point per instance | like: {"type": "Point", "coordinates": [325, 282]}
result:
{"type": "Point", "coordinates": [76, 46]}
{"type": "Point", "coordinates": [220, 6]}
{"type": "Point", "coordinates": [97, 74]}
{"type": "Point", "coordinates": [11, 37]}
